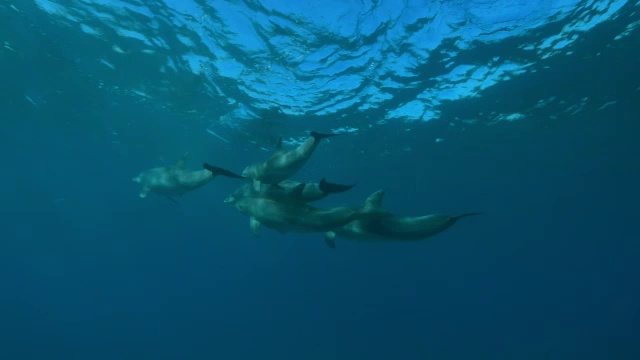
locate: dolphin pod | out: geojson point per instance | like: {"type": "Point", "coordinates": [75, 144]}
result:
{"type": "Point", "coordinates": [270, 198]}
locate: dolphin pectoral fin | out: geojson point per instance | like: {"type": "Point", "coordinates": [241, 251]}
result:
{"type": "Point", "coordinates": [330, 239]}
{"type": "Point", "coordinates": [255, 226]}
{"type": "Point", "coordinates": [144, 192]}
{"type": "Point", "coordinates": [256, 185]}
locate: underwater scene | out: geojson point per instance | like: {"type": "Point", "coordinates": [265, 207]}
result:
{"type": "Point", "coordinates": [339, 179]}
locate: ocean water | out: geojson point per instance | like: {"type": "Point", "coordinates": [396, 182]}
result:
{"type": "Point", "coordinates": [527, 111]}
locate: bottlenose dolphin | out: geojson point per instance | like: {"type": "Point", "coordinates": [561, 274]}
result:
{"type": "Point", "coordinates": [293, 216]}
{"type": "Point", "coordinates": [176, 180]}
{"type": "Point", "coordinates": [388, 227]}
{"type": "Point", "coordinates": [283, 164]}
{"type": "Point", "coordinates": [291, 190]}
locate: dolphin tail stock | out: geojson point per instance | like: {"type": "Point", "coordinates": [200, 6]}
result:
{"type": "Point", "coordinates": [220, 171]}
{"type": "Point", "coordinates": [331, 188]}
{"type": "Point", "coordinates": [319, 136]}
{"type": "Point", "coordinates": [458, 217]}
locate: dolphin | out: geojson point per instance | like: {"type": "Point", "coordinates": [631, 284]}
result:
{"type": "Point", "coordinates": [388, 227]}
{"type": "Point", "coordinates": [283, 164]}
{"type": "Point", "coordinates": [293, 216]}
{"type": "Point", "coordinates": [176, 180]}
{"type": "Point", "coordinates": [291, 190]}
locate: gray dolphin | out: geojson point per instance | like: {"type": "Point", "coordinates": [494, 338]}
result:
{"type": "Point", "coordinates": [293, 216]}
{"type": "Point", "coordinates": [283, 164]}
{"type": "Point", "coordinates": [176, 180]}
{"type": "Point", "coordinates": [388, 227]}
{"type": "Point", "coordinates": [290, 189]}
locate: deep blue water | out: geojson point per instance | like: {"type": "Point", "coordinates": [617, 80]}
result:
{"type": "Point", "coordinates": [542, 139]}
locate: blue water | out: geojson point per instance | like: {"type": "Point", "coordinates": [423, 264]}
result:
{"type": "Point", "coordinates": [526, 111]}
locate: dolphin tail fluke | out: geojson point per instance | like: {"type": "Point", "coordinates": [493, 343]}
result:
{"type": "Point", "coordinates": [319, 136]}
{"type": "Point", "coordinates": [331, 188]}
{"type": "Point", "coordinates": [458, 217]}
{"type": "Point", "coordinates": [220, 171]}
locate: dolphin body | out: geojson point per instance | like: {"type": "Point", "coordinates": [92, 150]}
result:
{"type": "Point", "coordinates": [283, 164]}
{"type": "Point", "coordinates": [288, 215]}
{"type": "Point", "coordinates": [388, 227]}
{"type": "Point", "coordinates": [291, 190]}
{"type": "Point", "coordinates": [176, 180]}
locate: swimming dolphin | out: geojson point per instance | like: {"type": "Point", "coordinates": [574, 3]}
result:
{"type": "Point", "coordinates": [176, 180]}
{"type": "Point", "coordinates": [288, 189]}
{"type": "Point", "coordinates": [283, 164]}
{"type": "Point", "coordinates": [388, 227]}
{"type": "Point", "coordinates": [293, 216]}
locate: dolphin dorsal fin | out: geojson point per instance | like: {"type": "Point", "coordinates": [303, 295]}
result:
{"type": "Point", "coordinates": [374, 201]}
{"type": "Point", "coordinates": [279, 144]}
{"type": "Point", "coordinates": [182, 161]}
{"type": "Point", "coordinates": [297, 191]}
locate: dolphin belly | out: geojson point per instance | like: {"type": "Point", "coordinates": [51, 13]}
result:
{"type": "Point", "coordinates": [411, 228]}
{"type": "Point", "coordinates": [295, 216]}
{"type": "Point", "coordinates": [279, 172]}
{"type": "Point", "coordinates": [284, 227]}
{"type": "Point", "coordinates": [357, 231]}
{"type": "Point", "coordinates": [396, 228]}
{"type": "Point", "coordinates": [304, 223]}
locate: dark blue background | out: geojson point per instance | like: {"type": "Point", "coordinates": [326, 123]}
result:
{"type": "Point", "coordinates": [89, 270]}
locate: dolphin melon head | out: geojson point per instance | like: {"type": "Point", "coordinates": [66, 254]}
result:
{"type": "Point", "coordinates": [250, 171]}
